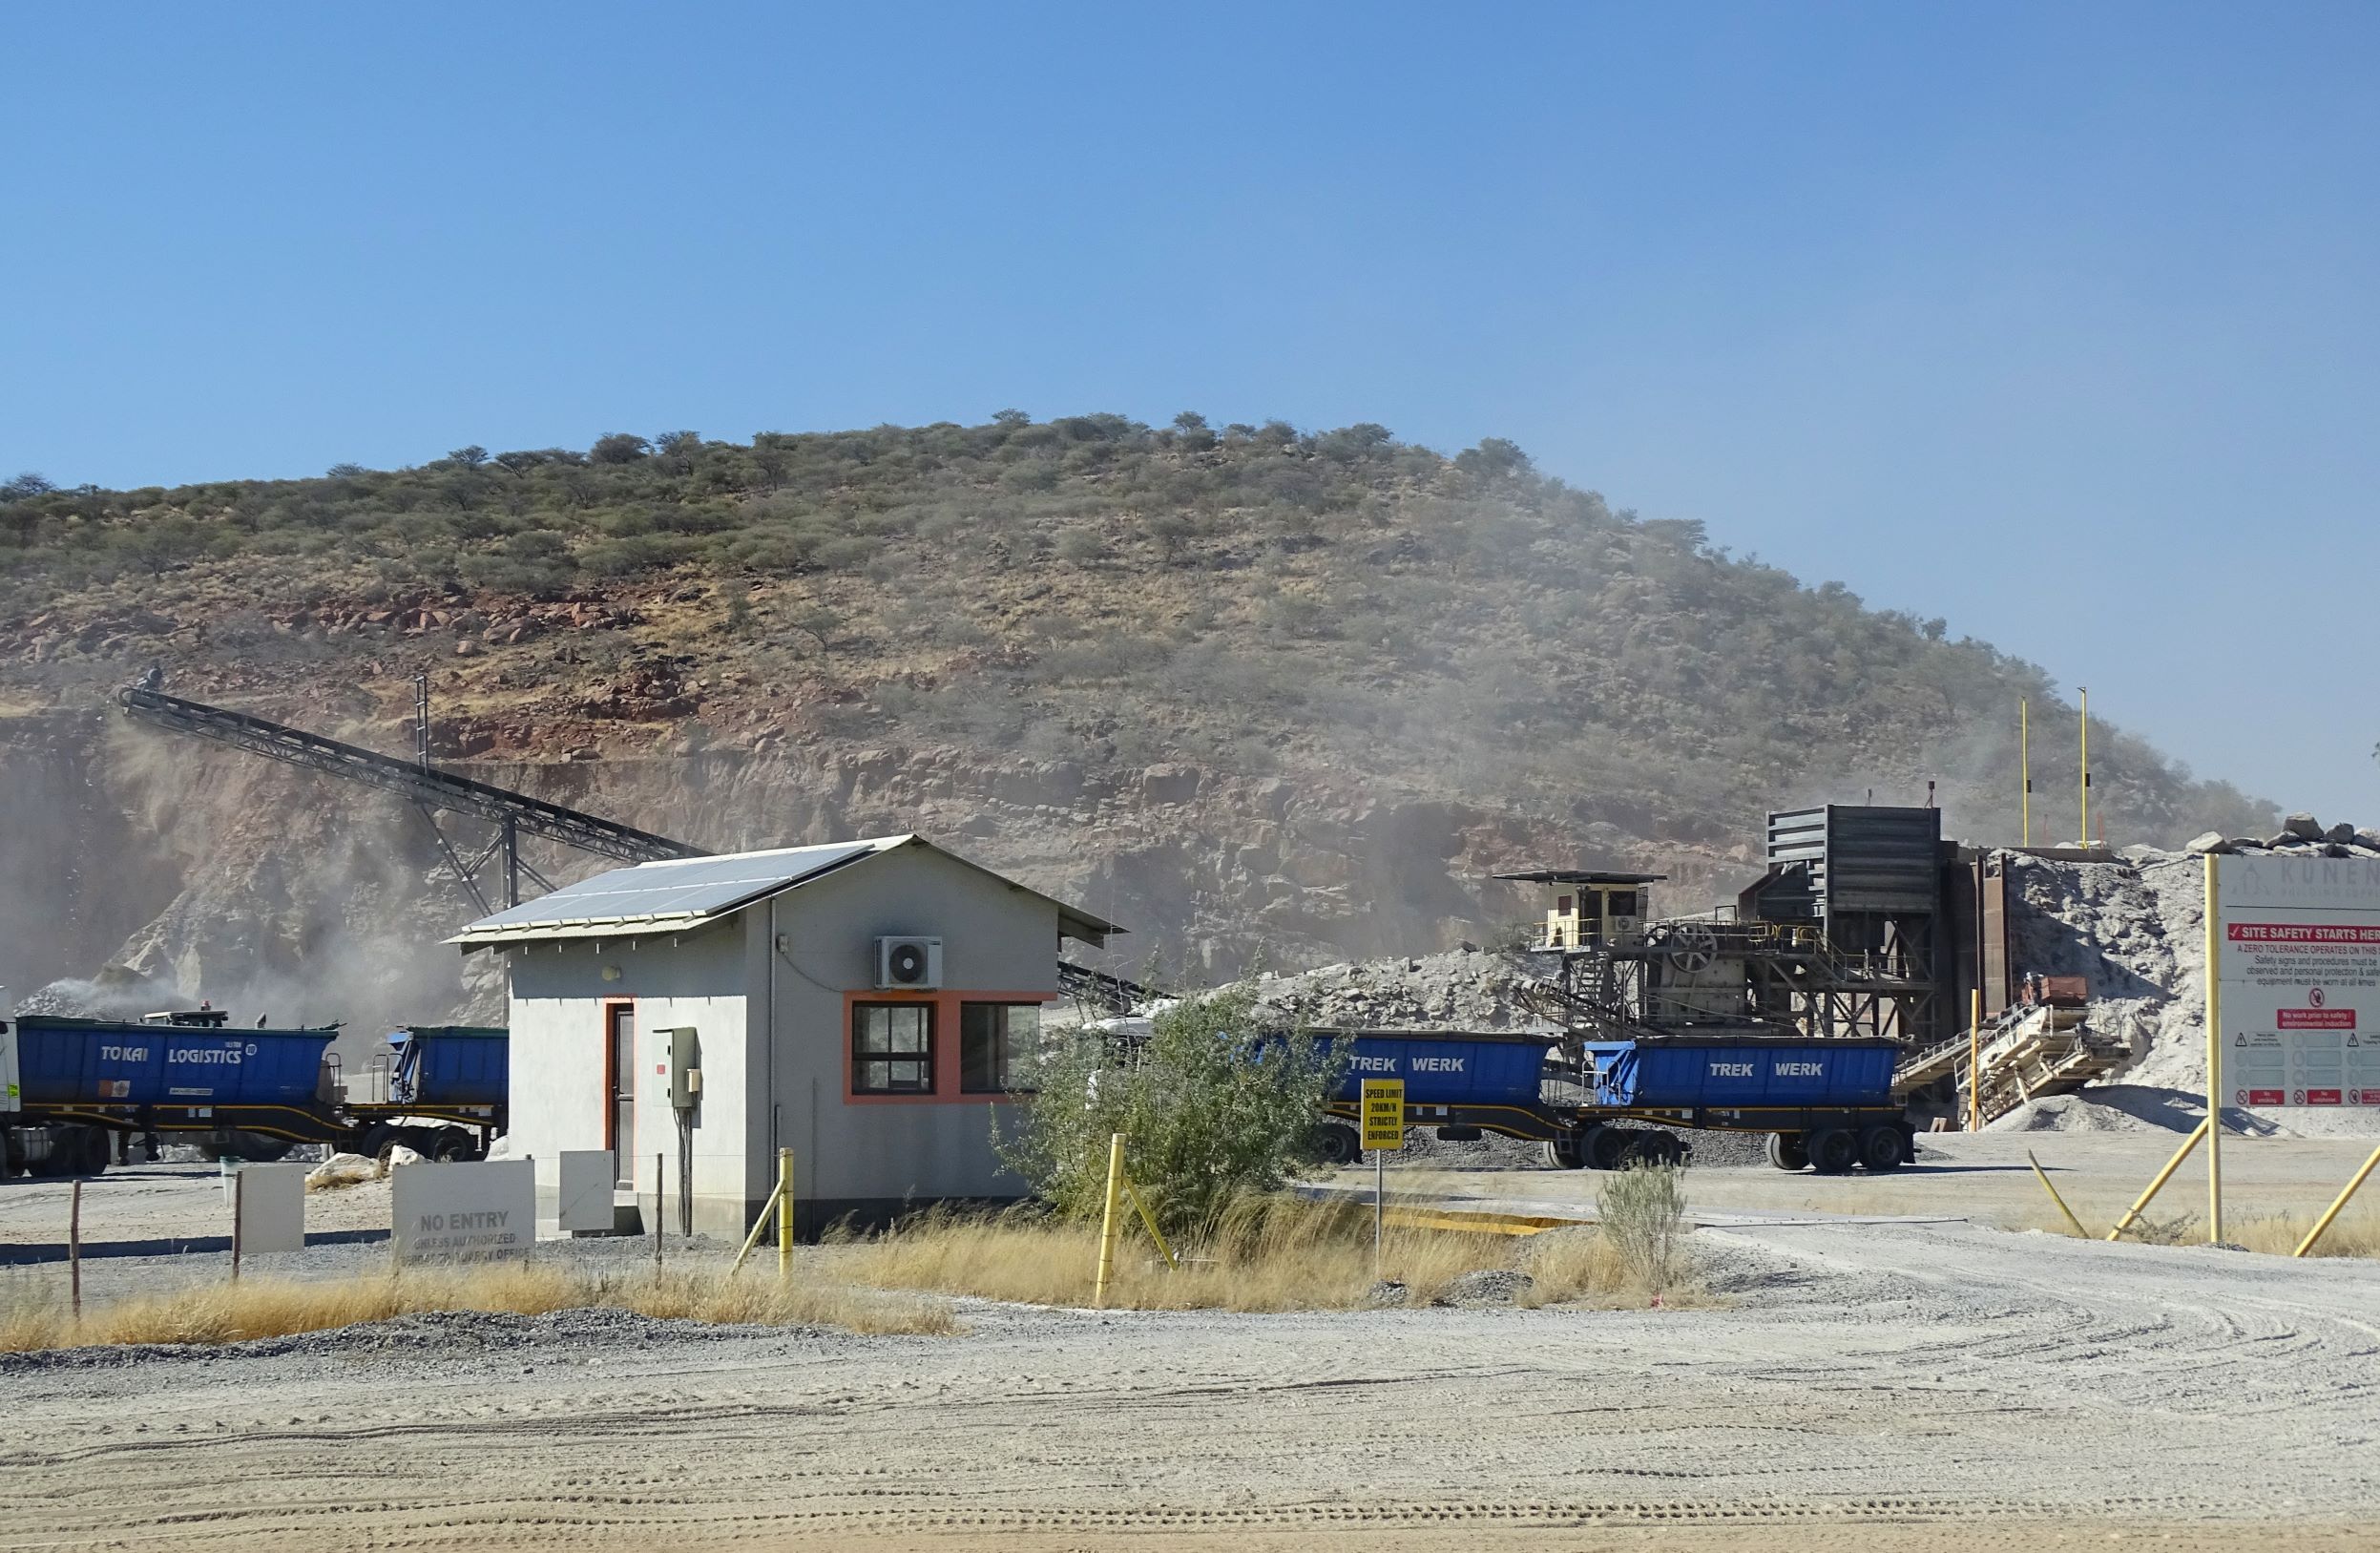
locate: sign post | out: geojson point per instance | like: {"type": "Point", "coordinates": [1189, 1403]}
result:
{"type": "Point", "coordinates": [1383, 1129]}
{"type": "Point", "coordinates": [2214, 1053]}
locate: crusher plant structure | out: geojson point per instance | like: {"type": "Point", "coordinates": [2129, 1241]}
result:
{"type": "Point", "coordinates": [1866, 925]}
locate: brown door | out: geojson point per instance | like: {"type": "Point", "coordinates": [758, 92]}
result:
{"type": "Point", "coordinates": [621, 1069]}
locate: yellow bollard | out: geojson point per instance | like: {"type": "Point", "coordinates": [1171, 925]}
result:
{"type": "Point", "coordinates": [1975, 1060]}
{"type": "Point", "coordinates": [785, 1213]}
{"type": "Point", "coordinates": [2162, 1176]}
{"type": "Point", "coordinates": [2336, 1203]}
{"type": "Point", "coordinates": [1108, 1218]}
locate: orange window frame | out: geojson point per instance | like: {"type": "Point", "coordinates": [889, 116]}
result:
{"type": "Point", "coordinates": [945, 1052]}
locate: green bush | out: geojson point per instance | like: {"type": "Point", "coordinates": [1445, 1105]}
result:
{"type": "Point", "coordinates": [1211, 1109]}
{"type": "Point", "coordinates": [1642, 1212]}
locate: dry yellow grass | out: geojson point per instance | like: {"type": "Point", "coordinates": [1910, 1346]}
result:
{"type": "Point", "coordinates": [1268, 1255]}
{"type": "Point", "coordinates": [230, 1313]}
{"type": "Point", "coordinates": [2355, 1233]}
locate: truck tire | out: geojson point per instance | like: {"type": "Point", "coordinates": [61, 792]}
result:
{"type": "Point", "coordinates": [75, 1150]}
{"type": "Point", "coordinates": [1335, 1143]}
{"type": "Point", "coordinates": [1786, 1151]}
{"type": "Point", "coordinates": [1654, 1150]}
{"type": "Point", "coordinates": [1833, 1150]}
{"type": "Point", "coordinates": [1881, 1147]}
{"type": "Point", "coordinates": [454, 1146]}
{"type": "Point", "coordinates": [1561, 1152]}
{"type": "Point", "coordinates": [1605, 1147]}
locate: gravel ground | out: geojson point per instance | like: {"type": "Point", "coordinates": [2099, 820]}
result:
{"type": "Point", "coordinates": [1937, 1378]}
{"type": "Point", "coordinates": [1945, 1380]}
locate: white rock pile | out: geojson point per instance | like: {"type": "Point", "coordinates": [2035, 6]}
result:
{"type": "Point", "coordinates": [1467, 989]}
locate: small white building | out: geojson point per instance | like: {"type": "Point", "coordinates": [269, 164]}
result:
{"type": "Point", "coordinates": [858, 1002]}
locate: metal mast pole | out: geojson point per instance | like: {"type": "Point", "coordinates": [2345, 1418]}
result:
{"type": "Point", "coordinates": [2024, 758]}
{"type": "Point", "coordinates": [2086, 763]}
{"type": "Point", "coordinates": [421, 720]}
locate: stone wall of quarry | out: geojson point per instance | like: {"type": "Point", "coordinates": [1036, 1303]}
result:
{"type": "Point", "coordinates": [198, 871]}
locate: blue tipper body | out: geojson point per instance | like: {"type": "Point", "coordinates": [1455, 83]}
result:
{"type": "Point", "coordinates": [451, 1064]}
{"type": "Point", "coordinates": [1446, 1070]}
{"type": "Point", "coordinates": [87, 1061]}
{"type": "Point", "coordinates": [1728, 1074]}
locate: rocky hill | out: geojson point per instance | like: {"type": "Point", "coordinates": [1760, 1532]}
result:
{"type": "Point", "coordinates": [1265, 695]}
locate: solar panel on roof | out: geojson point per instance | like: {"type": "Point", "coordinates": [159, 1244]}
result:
{"type": "Point", "coordinates": [678, 888]}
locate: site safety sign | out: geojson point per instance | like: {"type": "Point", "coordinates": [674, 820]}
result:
{"type": "Point", "coordinates": [1383, 1113]}
{"type": "Point", "coordinates": [2297, 947]}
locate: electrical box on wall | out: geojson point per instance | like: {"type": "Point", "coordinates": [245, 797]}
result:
{"type": "Point", "coordinates": [685, 1067]}
{"type": "Point", "coordinates": [908, 964]}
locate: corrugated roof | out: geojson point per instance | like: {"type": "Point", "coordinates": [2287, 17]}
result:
{"type": "Point", "coordinates": [680, 894]}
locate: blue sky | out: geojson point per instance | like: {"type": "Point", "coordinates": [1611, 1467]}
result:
{"type": "Point", "coordinates": [2055, 320]}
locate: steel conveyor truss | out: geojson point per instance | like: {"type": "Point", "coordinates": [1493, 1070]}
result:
{"type": "Point", "coordinates": [430, 791]}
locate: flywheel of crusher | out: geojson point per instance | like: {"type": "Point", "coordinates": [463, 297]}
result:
{"type": "Point", "coordinates": [1693, 947]}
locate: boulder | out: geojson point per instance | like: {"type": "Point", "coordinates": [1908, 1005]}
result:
{"type": "Point", "coordinates": [2341, 834]}
{"type": "Point", "coordinates": [1167, 783]}
{"type": "Point", "coordinates": [2211, 841]}
{"type": "Point", "coordinates": [2302, 828]}
{"type": "Point", "coordinates": [2368, 837]}
{"type": "Point", "coordinates": [342, 1171]}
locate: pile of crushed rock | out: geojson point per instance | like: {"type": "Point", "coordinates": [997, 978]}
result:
{"type": "Point", "coordinates": [2301, 836]}
{"type": "Point", "coordinates": [1467, 989]}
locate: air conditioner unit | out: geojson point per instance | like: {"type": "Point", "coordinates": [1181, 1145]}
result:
{"type": "Point", "coordinates": [908, 964]}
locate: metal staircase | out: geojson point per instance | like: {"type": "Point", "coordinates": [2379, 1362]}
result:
{"type": "Point", "coordinates": [2027, 1052]}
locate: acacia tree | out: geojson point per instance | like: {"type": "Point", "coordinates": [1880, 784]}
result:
{"type": "Point", "coordinates": [1213, 1108]}
{"type": "Point", "coordinates": [619, 448]}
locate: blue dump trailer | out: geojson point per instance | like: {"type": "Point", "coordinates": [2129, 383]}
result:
{"type": "Point", "coordinates": [1826, 1104]}
{"type": "Point", "coordinates": [450, 1065]}
{"type": "Point", "coordinates": [65, 1061]}
{"type": "Point", "coordinates": [76, 1092]}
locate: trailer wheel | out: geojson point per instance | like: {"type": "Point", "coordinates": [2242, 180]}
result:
{"type": "Point", "coordinates": [1786, 1152]}
{"type": "Point", "coordinates": [1605, 1147]}
{"type": "Point", "coordinates": [1336, 1144]}
{"type": "Point", "coordinates": [1654, 1150]}
{"type": "Point", "coordinates": [454, 1146]}
{"type": "Point", "coordinates": [1882, 1148]}
{"type": "Point", "coordinates": [1833, 1150]}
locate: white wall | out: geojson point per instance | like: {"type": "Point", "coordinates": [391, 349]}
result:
{"type": "Point", "coordinates": [558, 1058]}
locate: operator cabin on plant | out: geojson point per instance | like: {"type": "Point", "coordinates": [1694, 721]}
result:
{"type": "Point", "coordinates": [858, 1002]}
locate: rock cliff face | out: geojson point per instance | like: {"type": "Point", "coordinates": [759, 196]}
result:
{"type": "Point", "coordinates": [276, 892]}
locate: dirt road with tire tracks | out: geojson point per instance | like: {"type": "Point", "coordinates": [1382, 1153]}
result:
{"type": "Point", "coordinates": [1860, 1378]}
